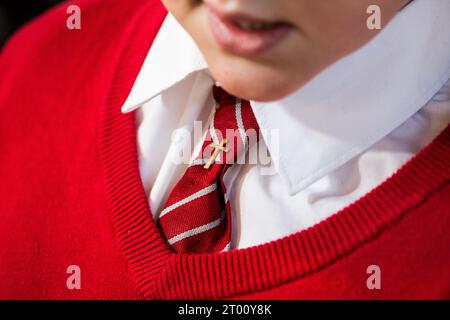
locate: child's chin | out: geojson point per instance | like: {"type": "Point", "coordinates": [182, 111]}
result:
{"type": "Point", "coordinates": [258, 88]}
{"type": "Point", "coordinates": [256, 81]}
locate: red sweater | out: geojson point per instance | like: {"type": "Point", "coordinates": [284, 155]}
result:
{"type": "Point", "coordinates": [70, 191]}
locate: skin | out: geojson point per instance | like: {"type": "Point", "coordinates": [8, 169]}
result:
{"type": "Point", "coordinates": [323, 31]}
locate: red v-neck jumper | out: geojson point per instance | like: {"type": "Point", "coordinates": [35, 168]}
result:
{"type": "Point", "coordinates": [70, 191]}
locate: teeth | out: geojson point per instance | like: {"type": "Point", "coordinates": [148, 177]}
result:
{"type": "Point", "coordinates": [253, 26]}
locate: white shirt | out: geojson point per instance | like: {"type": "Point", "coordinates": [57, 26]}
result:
{"type": "Point", "coordinates": [341, 135]}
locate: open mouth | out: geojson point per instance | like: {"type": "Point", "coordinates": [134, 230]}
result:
{"type": "Point", "coordinates": [243, 34]}
{"type": "Point", "coordinates": [248, 25]}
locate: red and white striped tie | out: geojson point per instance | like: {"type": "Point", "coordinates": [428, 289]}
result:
{"type": "Point", "coordinates": [197, 215]}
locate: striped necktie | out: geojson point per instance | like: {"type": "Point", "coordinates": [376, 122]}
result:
{"type": "Point", "coordinates": [197, 215]}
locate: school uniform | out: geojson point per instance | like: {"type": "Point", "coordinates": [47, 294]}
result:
{"type": "Point", "coordinates": [358, 172]}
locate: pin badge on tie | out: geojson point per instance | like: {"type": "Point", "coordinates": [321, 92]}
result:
{"type": "Point", "coordinates": [217, 147]}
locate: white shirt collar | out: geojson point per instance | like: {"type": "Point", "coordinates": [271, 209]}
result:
{"type": "Point", "coordinates": [345, 109]}
{"type": "Point", "coordinates": [173, 56]}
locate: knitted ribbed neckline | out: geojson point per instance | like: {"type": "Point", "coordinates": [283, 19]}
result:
{"type": "Point", "coordinates": [163, 274]}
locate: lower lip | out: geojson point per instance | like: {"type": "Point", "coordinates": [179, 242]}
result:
{"type": "Point", "coordinates": [243, 42]}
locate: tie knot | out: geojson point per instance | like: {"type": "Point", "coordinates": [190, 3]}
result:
{"type": "Point", "coordinates": [222, 97]}
{"type": "Point", "coordinates": [232, 113]}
